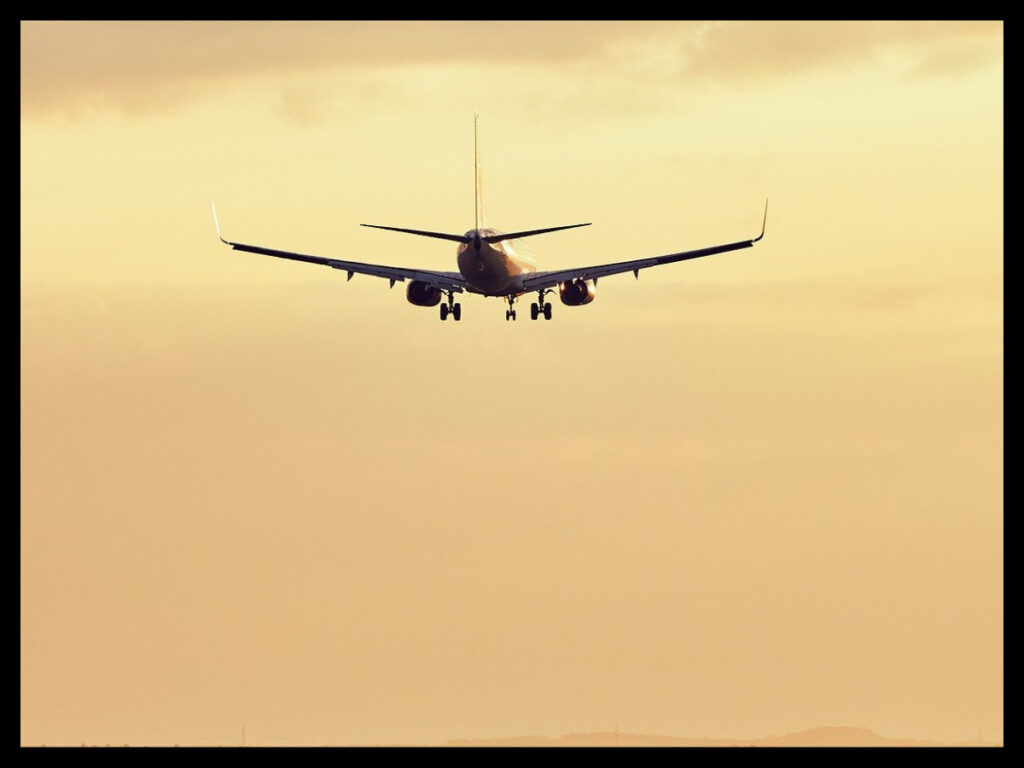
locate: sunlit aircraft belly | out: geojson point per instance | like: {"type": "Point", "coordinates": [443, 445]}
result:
{"type": "Point", "coordinates": [493, 268]}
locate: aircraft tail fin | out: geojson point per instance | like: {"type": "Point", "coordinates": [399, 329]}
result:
{"type": "Point", "coordinates": [477, 181]}
{"type": "Point", "coordinates": [478, 210]}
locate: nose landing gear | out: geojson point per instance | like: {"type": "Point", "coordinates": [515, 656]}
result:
{"type": "Point", "coordinates": [510, 313]}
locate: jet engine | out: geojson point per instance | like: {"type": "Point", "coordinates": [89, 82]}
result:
{"type": "Point", "coordinates": [576, 292]}
{"type": "Point", "coordinates": [423, 294]}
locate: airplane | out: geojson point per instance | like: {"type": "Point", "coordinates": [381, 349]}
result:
{"type": "Point", "coordinates": [490, 266]}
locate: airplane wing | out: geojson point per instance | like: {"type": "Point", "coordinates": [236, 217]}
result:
{"type": "Point", "coordinates": [445, 281]}
{"type": "Point", "coordinates": [541, 280]}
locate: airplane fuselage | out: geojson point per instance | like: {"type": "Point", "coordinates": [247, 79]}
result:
{"type": "Point", "coordinates": [493, 269]}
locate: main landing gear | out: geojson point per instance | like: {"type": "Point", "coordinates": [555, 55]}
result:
{"type": "Point", "coordinates": [540, 307]}
{"type": "Point", "coordinates": [451, 308]}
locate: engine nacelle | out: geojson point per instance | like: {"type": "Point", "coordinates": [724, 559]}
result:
{"type": "Point", "coordinates": [423, 294]}
{"type": "Point", "coordinates": [576, 292]}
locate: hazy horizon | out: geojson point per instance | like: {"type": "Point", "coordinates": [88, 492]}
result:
{"type": "Point", "coordinates": [748, 494]}
{"type": "Point", "coordinates": [822, 736]}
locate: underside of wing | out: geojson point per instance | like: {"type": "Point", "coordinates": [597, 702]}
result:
{"type": "Point", "coordinates": [445, 281]}
{"type": "Point", "coordinates": [541, 280]}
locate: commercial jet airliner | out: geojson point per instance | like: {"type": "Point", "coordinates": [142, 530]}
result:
{"type": "Point", "coordinates": [489, 265]}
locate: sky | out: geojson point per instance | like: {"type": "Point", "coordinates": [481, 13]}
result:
{"type": "Point", "coordinates": [741, 496]}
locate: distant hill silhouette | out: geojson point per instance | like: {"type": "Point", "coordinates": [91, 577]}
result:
{"type": "Point", "coordinates": [829, 736]}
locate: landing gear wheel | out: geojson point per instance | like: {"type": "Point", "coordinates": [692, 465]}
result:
{"type": "Point", "coordinates": [444, 312]}
{"type": "Point", "coordinates": [541, 307]}
{"type": "Point", "coordinates": [457, 312]}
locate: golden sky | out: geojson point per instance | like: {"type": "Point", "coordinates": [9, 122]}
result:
{"type": "Point", "coordinates": [742, 496]}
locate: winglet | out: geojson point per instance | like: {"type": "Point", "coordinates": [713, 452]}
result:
{"type": "Point", "coordinates": [217, 223]}
{"type": "Point", "coordinates": [764, 221]}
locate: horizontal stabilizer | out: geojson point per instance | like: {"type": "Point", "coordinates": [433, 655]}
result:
{"type": "Point", "coordinates": [438, 235]}
{"type": "Point", "coordinates": [528, 233]}
{"type": "Point", "coordinates": [464, 239]}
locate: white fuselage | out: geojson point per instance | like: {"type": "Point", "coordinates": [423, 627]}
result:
{"type": "Point", "coordinates": [494, 269]}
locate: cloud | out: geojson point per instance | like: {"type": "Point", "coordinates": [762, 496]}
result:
{"type": "Point", "coordinates": [140, 67]}
{"type": "Point", "coordinates": [746, 51]}
{"type": "Point", "coordinates": [302, 106]}
{"type": "Point", "coordinates": [954, 60]}
{"type": "Point", "coordinates": [144, 66]}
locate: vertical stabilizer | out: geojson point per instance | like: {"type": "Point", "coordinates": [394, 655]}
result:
{"type": "Point", "coordinates": [476, 164]}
